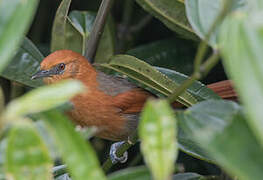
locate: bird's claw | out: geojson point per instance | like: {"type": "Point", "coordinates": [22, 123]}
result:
{"type": "Point", "coordinates": [114, 158]}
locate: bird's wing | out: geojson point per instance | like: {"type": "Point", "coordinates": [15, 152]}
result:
{"type": "Point", "coordinates": [113, 85]}
{"type": "Point", "coordinates": [224, 89]}
{"type": "Point", "coordinates": [132, 101]}
{"type": "Point", "coordinates": [126, 95]}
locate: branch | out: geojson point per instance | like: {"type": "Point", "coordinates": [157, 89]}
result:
{"type": "Point", "coordinates": [132, 140]}
{"type": "Point", "coordinates": [97, 30]}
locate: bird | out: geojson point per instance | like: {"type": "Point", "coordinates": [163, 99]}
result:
{"type": "Point", "coordinates": [111, 103]}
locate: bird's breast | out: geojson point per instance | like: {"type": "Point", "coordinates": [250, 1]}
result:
{"type": "Point", "coordinates": [96, 109]}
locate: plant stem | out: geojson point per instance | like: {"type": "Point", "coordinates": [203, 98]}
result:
{"type": "Point", "coordinates": [124, 147]}
{"type": "Point", "coordinates": [97, 30]}
{"type": "Point", "coordinates": [199, 68]}
{"type": "Point", "coordinates": [203, 70]}
{"type": "Point", "coordinates": [203, 47]}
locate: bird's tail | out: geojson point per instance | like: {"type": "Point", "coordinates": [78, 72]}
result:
{"type": "Point", "coordinates": [223, 88]}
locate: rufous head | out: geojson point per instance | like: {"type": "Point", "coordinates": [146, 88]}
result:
{"type": "Point", "coordinates": [62, 64]}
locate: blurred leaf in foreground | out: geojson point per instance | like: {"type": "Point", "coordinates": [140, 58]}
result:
{"type": "Point", "coordinates": [42, 99]}
{"type": "Point", "coordinates": [27, 157]}
{"type": "Point", "coordinates": [79, 156]}
{"type": "Point", "coordinates": [220, 127]}
{"type": "Point", "coordinates": [157, 131]}
{"type": "Point", "coordinates": [16, 16]}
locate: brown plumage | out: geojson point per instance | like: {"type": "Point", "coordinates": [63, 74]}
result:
{"type": "Point", "coordinates": [110, 103]}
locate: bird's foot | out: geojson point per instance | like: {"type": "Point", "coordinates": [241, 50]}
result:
{"type": "Point", "coordinates": [114, 158]}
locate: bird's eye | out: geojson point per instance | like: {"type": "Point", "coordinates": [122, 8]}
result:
{"type": "Point", "coordinates": [61, 66]}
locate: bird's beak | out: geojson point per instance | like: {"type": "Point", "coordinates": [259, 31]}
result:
{"type": "Point", "coordinates": [41, 74]}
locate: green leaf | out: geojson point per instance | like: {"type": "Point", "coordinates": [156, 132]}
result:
{"type": "Point", "coordinates": [171, 13]}
{"type": "Point", "coordinates": [24, 64]}
{"type": "Point", "coordinates": [16, 16]}
{"type": "Point", "coordinates": [202, 14]}
{"type": "Point", "coordinates": [197, 89]}
{"type": "Point", "coordinates": [188, 176]}
{"type": "Point", "coordinates": [147, 75]}
{"type": "Point", "coordinates": [241, 42]}
{"type": "Point", "coordinates": [27, 157]}
{"type": "Point", "coordinates": [217, 126]}
{"type": "Point", "coordinates": [142, 173]}
{"type": "Point", "coordinates": [59, 26]}
{"type": "Point", "coordinates": [42, 99]}
{"type": "Point", "coordinates": [79, 156]}
{"type": "Point", "coordinates": [157, 131]}
{"type": "Point", "coordinates": [191, 147]}
{"type": "Point", "coordinates": [79, 26]}
{"type": "Point", "coordinates": [133, 173]}
{"type": "Point", "coordinates": [171, 53]}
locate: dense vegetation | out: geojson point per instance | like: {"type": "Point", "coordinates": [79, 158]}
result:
{"type": "Point", "coordinates": [171, 48]}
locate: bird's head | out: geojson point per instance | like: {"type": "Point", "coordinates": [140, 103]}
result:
{"type": "Point", "coordinates": [63, 64]}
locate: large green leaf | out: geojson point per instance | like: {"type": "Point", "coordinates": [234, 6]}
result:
{"type": "Point", "coordinates": [171, 53]}
{"type": "Point", "coordinates": [157, 132]}
{"type": "Point", "coordinates": [171, 13]}
{"type": "Point", "coordinates": [187, 144]}
{"type": "Point", "coordinates": [241, 41]}
{"type": "Point", "coordinates": [79, 156]}
{"type": "Point", "coordinates": [26, 155]}
{"type": "Point", "coordinates": [79, 26]}
{"type": "Point", "coordinates": [15, 17]}
{"type": "Point", "coordinates": [24, 64]}
{"type": "Point", "coordinates": [202, 14]}
{"type": "Point", "coordinates": [42, 99]}
{"type": "Point", "coordinates": [59, 26]}
{"type": "Point", "coordinates": [147, 75]}
{"type": "Point", "coordinates": [221, 128]}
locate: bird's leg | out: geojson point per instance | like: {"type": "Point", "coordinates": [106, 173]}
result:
{"type": "Point", "coordinates": [113, 149]}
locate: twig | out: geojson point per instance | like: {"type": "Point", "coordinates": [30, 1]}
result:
{"type": "Point", "coordinates": [97, 30]}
